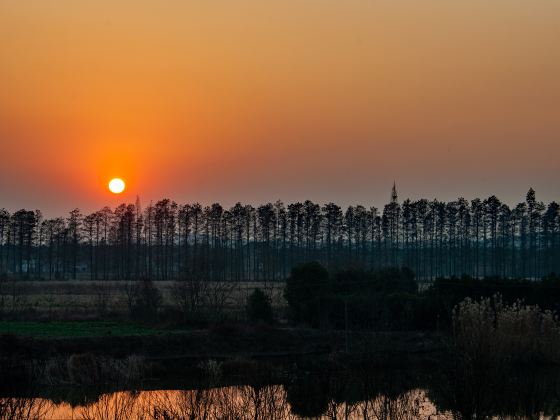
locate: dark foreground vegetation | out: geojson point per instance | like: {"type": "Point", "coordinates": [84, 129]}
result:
{"type": "Point", "coordinates": [390, 299]}
{"type": "Point", "coordinates": [374, 384]}
{"type": "Point", "coordinates": [322, 340]}
{"type": "Point", "coordinates": [334, 392]}
{"type": "Point", "coordinates": [252, 390]}
{"type": "Point", "coordinates": [169, 241]}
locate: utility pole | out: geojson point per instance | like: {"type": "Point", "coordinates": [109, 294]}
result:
{"type": "Point", "coordinates": [346, 322]}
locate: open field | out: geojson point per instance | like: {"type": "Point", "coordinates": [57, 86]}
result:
{"type": "Point", "coordinates": [74, 328]}
{"type": "Point", "coordinates": [84, 299]}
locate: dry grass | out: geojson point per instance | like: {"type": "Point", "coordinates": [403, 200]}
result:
{"type": "Point", "coordinates": [83, 299]}
{"type": "Point", "coordinates": [495, 332]}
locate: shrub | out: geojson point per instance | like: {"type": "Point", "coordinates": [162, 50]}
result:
{"type": "Point", "coordinates": [83, 368]}
{"type": "Point", "coordinates": [348, 282]}
{"type": "Point", "coordinates": [392, 280]}
{"type": "Point", "coordinates": [306, 287]}
{"type": "Point", "coordinates": [491, 332]}
{"type": "Point", "coordinates": [259, 308]}
{"type": "Point", "coordinates": [147, 301]}
{"type": "Point", "coordinates": [188, 297]}
{"type": "Point", "coordinates": [387, 280]}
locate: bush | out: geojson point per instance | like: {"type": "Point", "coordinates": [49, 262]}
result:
{"type": "Point", "coordinates": [393, 280]}
{"type": "Point", "coordinates": [387, 280]}
{"type": "Point", "coordinates": [382, 311]}
{"type": "Point", "coordinates": [306, 287]}
{"type": "Point", "coordinates": [188, 297]}
{"type": "Point", "coordinates": [147, 301]}
{"type": "Point", "coordinates": [348, 282]}
{"type": "Point", "coordinates": [259, 308]}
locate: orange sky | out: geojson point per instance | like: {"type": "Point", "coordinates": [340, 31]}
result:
{"type": "Point", "coordinates": [255, 101]}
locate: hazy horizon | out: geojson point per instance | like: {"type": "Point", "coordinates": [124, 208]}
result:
{"type": "Point", "coordinates": [131, 198]}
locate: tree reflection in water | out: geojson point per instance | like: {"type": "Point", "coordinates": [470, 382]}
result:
{"type": "Point", "coordinates": [115, 406]}
{"type": "Point", "coordinates": [24, 408]}
{"type": "Point", "coordinates": [329, 394]}
{"type": "Point", "coordinates": [236, 402]}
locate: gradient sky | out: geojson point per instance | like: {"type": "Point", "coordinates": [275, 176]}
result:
{"type": "Point", "coordinates": [258, 100]}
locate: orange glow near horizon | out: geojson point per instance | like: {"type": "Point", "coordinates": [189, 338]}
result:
{"type": "Point", "coordinates": [257, 101]}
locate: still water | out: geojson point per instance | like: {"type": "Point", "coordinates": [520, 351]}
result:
{"type": "Point", "coordinates": [233, 402]}
{"type": "Point", "coordinates": [332, 392]}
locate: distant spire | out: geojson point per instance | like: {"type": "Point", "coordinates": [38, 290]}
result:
{"type": "Point", "coordinates": [394, 195]}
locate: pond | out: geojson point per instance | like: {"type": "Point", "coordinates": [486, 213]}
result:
{"type": "Point", "coordinates": [330, 390]}
{"type": "Point", "coordinates": [233, 402]}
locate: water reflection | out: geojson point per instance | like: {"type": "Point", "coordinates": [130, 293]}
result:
{"type": "Point", "coordinates": [333, 392]}
{"type": "Point", "coordinates": [235, 402]}
{"type": "Point", "coordinates": [24, 408]}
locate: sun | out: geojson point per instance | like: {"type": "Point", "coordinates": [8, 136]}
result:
{"type": "Point", "coordinates": [116, 185]}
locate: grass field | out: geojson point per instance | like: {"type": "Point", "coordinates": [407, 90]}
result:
{"type": "Point", "coordinates": [74, 329]}
{"type": "Point", "coordinates": [82, 299]}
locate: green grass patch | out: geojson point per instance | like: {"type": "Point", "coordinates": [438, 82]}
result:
{"type": "Point", "coordinates": [74, 329]}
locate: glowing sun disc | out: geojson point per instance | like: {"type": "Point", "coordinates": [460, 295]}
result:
{"type": "Point", "coordinates": [116, 185]}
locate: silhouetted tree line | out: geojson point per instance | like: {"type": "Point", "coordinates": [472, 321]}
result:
{"type": "Point", "coordinates": [166, 240]}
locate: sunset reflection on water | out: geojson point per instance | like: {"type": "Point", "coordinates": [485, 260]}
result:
{"type": "Point", "coordinates": [234, 402]}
